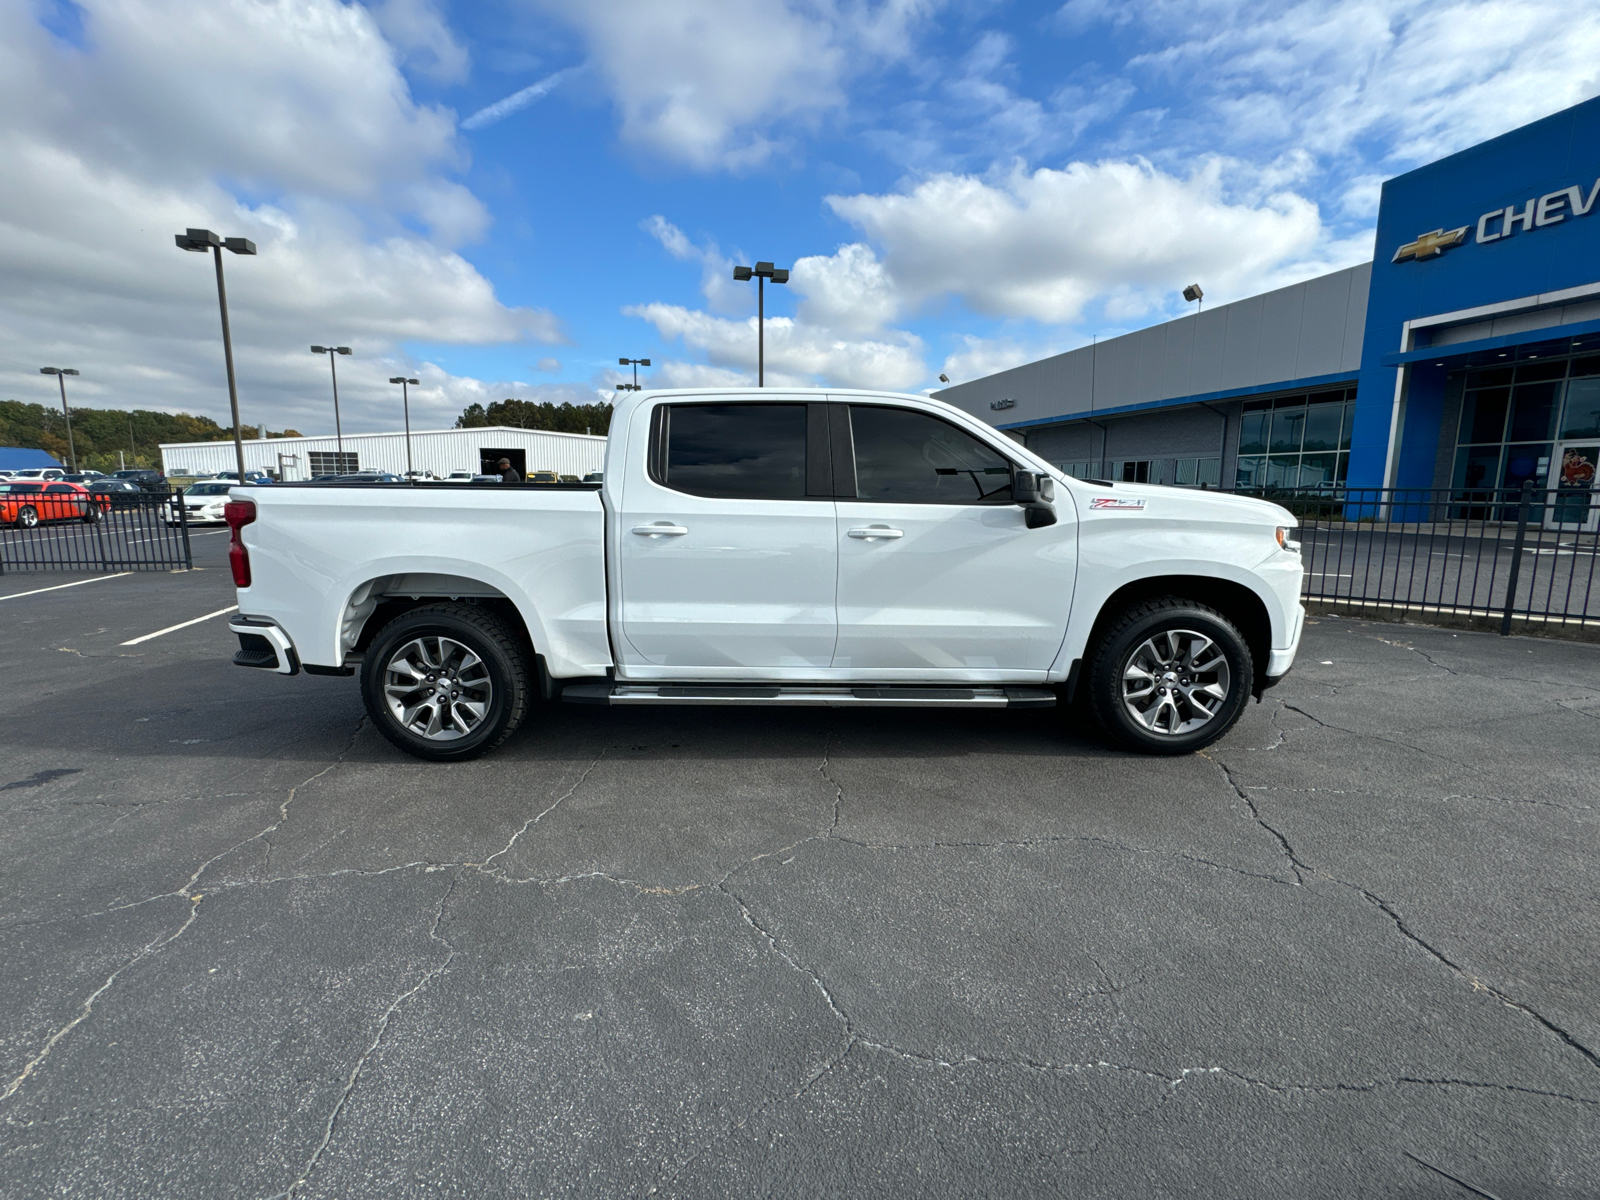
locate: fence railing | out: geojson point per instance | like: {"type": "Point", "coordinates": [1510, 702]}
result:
{"type": "Point", "coordinates": [1500, 554]}
{"type": "Point", "coordinates": [105, 532]}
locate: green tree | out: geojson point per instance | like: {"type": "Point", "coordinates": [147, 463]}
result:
{"type": "Point", "coordinates": [525, 414]}
{"type": "Point", "coordinates": [99, 433]}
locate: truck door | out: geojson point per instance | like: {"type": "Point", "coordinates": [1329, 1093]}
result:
{"type": "Point", "coordinates": [727, 554]}
{"type": "Point", "coordinates": [939, 576]}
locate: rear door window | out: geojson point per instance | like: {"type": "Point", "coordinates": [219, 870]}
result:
{"type": "Point", "coordinates": [908, 457]}
{"type": "Point", "coordinates": [733, 451]}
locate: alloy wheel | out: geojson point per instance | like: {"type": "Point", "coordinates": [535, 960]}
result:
{"type": "Point", "coordinates": [1176, 682]}
{"type": "Point", "coordinates": [437, 688]}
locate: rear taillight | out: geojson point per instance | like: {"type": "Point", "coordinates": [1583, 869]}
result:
{"type": "Point", "coordinates": [238, 514]}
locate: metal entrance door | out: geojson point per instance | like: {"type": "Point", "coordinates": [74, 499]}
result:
{"type": "Point", "coordinates": [1573, 505]}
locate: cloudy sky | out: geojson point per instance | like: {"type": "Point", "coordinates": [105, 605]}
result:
{"type": "Point", "coordinates": [503, 197]}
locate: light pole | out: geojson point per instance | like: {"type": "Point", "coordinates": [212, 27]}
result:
{"type": "Point", "coordinates": [635, 363]}
{"type": "Point", "coordinates": [762, 271]}
{"type": "Point", "coordinates": [201, 240]}
{"type": "Point", "coordinates": [61, 374]}
{"type": "Point", "coordinates": [338, 429]}
{"type": "Point", "coordinates": [1194, 295]}
{"type": "Point", "coordinates": [405, 399]}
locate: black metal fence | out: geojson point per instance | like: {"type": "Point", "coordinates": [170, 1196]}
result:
{"type": "Point", "coordinates": [1502, 556]}
{"type": "Point", "coordinates": [104, 532]}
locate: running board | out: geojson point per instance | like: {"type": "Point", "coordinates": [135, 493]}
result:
{"type": "Point", "coordinates": [813, 695]}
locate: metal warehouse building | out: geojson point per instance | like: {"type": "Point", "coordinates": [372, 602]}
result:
{"type": "Point", "coordinates": [440, 451]}
{"type": "Point", "coordinates": [1466, 355]}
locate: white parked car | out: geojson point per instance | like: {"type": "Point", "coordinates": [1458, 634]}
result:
{"type": "Point", "coordinates": [461, 477]}
{"type": "Point", "coordinates": [39, 473]}
{"type": "Point", "coordinates": [204, 502]}
{"type": "Point", "coordinates": [815, 548]}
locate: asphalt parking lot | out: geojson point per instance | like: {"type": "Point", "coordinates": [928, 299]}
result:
{"type": "Point", "coordinates": [250, 950]}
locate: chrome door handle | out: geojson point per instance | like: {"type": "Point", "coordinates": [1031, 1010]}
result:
{"type": "Point", "coordinates": [660, 529]}
{"type": "Point", "coordinates": [876, 531]}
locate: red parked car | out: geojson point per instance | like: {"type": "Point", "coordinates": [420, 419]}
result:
{"type": "Point", "coordinates": [27, 502]}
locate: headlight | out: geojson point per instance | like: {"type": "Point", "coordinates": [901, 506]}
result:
{"type": "Point", "coordinates": [1285, 541]}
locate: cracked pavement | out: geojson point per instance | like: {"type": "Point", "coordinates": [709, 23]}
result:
{"type": "Point", "coordinates": [251, 951]}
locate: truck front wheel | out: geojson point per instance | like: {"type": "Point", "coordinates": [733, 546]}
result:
{"type": "Point", "coordinates": [1169, 676]}
{"type": "Point", "coordinates": [445, 682]}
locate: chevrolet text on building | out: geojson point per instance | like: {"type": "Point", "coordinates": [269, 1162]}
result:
{"type": "Point", "coordinates": [1464, 357]}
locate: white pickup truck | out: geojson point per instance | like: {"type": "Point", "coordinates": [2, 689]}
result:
{"type": "Point", "coordinates": [803, 547]}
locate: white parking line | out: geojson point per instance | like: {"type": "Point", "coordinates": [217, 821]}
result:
{"type": "Point", "coordinates": [180, 625]}
{"type": "Point", "coordinates": [59, 586]}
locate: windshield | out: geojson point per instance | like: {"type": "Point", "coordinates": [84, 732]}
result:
{"type": "Point", "coordinates": [208, 489]}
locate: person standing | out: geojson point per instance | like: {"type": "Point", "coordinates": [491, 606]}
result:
{"type": "Point", "coordinates": [508, 473]}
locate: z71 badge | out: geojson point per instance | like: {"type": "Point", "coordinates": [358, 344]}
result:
{"type": "Point", "coordinates": [1111, 502]}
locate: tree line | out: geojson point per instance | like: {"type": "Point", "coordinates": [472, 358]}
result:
{"type": "Point", "coordinates": [100, 433]}
{"type": "Point", "coordinates": [525, 414]}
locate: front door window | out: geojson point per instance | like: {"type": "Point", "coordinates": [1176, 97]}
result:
{"type": "Point", "coordinates": [939, 575]}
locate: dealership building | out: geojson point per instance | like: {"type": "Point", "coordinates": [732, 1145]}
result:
{"type": "Point", "coordinates": [1467, 354]}
{"type": "Point", "coordinates": [440, 451]}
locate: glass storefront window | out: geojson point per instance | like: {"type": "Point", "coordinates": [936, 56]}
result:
{"type": "Point", "coordinates": [1318, 470]}
{"type": "Point", "coordinates": [1295, 441]}
{"type": "Point", "coordinates": [1253, 430]}
{"type": "Point", "coordinates": [1283, 471]}
{"type": "Point", "coordinates": [1526, 462]}
{"type": "Point", "coordinates": [1581, 417]}
{"type": "Point", "coordinates": [1533, 410]}
{"type": "Point", "coordinates": [1192, 472]}
{"type": "Point", "coordinates": [1322, 426]}
{"type": "Point", "coordinates": [1483, 417]}
{"type": "Point", "coordinates": [1511, 415]}
{"type": "Point", "coordinates": [1478, 467]}
{"type": "Point", "coordinates": [1288, 424]}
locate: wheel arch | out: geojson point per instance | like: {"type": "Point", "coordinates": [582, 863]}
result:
{"type": "Point", "coordinates": [376, 602]}
{"type": "Point", "coordinates": [1242, 606]}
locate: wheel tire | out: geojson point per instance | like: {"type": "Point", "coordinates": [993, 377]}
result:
{"type": "Point", "coordinates": [410, 642]}
{"type": "Point", "coordinates": [1173, 723]}
{"type": "Point", "coordinates": [91, 515]}
{"type": "Point", "coordinates": [27, 517]}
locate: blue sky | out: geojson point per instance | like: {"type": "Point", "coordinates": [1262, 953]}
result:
{"type": "Point", "coordinates": [958, 186]}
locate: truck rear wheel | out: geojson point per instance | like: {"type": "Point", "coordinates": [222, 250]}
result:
{"type": "Point", "coordinates": [446, 682]}
{"type": "Point", "coordinates": [1169, 676]}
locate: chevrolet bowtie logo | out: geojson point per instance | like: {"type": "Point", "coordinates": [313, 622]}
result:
{"type": "Point", "coordinates": [1431, 245]}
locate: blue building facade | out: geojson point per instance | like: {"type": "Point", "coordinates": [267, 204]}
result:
{"type": "Point", "coordinates": [1466, 355]}
{"type": "Point", "coordinates": [1483, 317]}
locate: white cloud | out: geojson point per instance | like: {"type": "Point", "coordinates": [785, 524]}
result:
{"type": "Point", "coordinates": [717, 284]}
{"type": "Point", "coordinates": [501, 109]}
{"type": "Point", "coordinates": [1399, 81]}
{"type": "Point", "coordinates": [114, 147]}
{"type": "Point", "coordinates": [1042, 244]}
{"type": "Point", "coordinates": [797, 355]}
{"type": "Point", "coordinates": [703, 82]}
{"type": "Point", "coordinates": [984, 356]}
{"type": "Point", "coordinates": [837, 337]}
{"type": "Point", "coordinates": [419, 31]}
{"type": "Point", "coordinates": [848, 291]}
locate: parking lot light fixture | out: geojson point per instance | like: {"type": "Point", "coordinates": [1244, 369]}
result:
{"type": "Point", "coordinates": [338, 429]}
{"type": "Point", "coordinates": [199, 241]}
{"type": "Point", "coordinates": [636, 363]}
{"type": "Point", "coordinates": [761, 272]}
{"type": "Point", "coordinates": [61, 374]}
{"type": "Point", "coordinates": [405, 400]}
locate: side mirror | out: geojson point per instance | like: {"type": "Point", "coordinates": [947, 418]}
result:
{"type": "Point", "coordinates": [1035, 493]}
